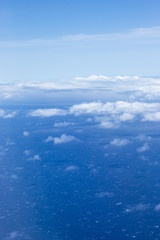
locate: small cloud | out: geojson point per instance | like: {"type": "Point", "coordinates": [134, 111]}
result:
{"type": "Point", "coordinates": [47, 112]}
{"type": "Point", "coordinates": [157, 207]}
{"type": "Point", "coordinates": [152, 117]}
{"type": "Point", "coordinates": [62, 124]}
{"type": "Point", "coordinates": [138, 207]}
{"type": "Point", "coordinates": [144, 148]}
{"type": "Point", "coordinates": [10, 115]}
{"type": "Point", "coordinates": [14, 235]}
{"type": "Point", "coordinates": [14, 176]}
{"type": "Point", "coordinates": [105, 194]}
{"type": "Point", "coordinates": [27, 152]}
{"type": "Point", "coordinates": [64, 139]}
{"type": "Point", "coordinates": [93, 78]}
{"type": "Point", "coordinates": [106, 124]}
{"type": "Point", "coordinates": [126, 117]}
{"type": "Point", "coordinates": [7, 95]}
{"type": "Point", "coordinates": [35, 157]}
{"type": "Point", "coordinates": [143, 137]}
{"type": "Point", "coordinates": [119, 142]}
{"type": "Point", "coordinates": [26, 133]}
{"type": "Point", "coordinates": [71, 168]}
{"type": "Point", "coordinates": [49, 139]}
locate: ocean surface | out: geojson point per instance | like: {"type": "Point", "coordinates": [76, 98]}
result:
{"type": "Point", "coordinates": [76, 174]}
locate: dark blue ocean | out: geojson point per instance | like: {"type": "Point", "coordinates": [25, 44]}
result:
{"type": "Point", "coordinates": [63, 177]}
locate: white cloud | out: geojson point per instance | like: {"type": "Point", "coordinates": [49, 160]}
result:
{"type": "Point", "coordinates": [64, 139]}
{"type": "Point", "coordinates": [137, 33]}
{"type": "Point", "coordinates": [106, 124]}
{"type": "Point", "coordinates": [157, 207]}
{"type": "Point", "coordinates": [47, 112]}
{"type": "Point", "coordinates": [5, 114]}
{"type": "Point", "coordinates": [49, 139]}
{"type": "Point", "coordinates": [144, 148]}
{"type": "Point", "coordinates": [126, 117]}
{"type": "Point", "coordinates": [27, 152]}
{"type": "Point", "coordinates": [7, 95]}
{"type": "Point", "coordinates": [14, 235]}
{"type": "Point", "coordinates": [93, 78]}
{"type": "Point", "coordinates": [71, 168]}
{"type": "Point", "coordinates": [2, 113]}
{"type": "Point", "coordinates": [62, 124]}
{"type": "Point", "coordinates": [105, 194]}
{"type": "Point", "coordinates": [143, 137]}
{"type": "Point", "coordinates": [119, 142]}
{"type": "Point", "coordinates": [137, 207]}
{"type": "Point", "coordinates": [26, 133]}
{"type": "Point", "coordinates": [10, 115]}
{"type": "Point", "coordinates": [35, 157]}
{"type": "Point", "coordinates": [152, 117]}
{"type": "Point", "coordinates": [129, 109]}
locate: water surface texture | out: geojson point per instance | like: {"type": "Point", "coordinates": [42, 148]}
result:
{"type": "Point", "coordinates": [79, 165]}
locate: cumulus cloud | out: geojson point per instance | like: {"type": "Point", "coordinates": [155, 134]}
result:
{"type": "Point", "coordinates": [129, 109]}
{"type": "Point", "coordinates": [106, 124]}
{"type": "Point", "coordinates": [35, 157]}
{"type": "Point", "coordinates": [143, 137]}
{"type": "Point", "coordinates": [49, 139]}
{"type": "Point", "coordinates": [105, 194]}
{"type": "Point", "coordinates": [93, 78]}
{"type": "Point", "coordinates": [126, 117]}
{"type": "Point", "coordinates": [64, 139]}
{"type": "Point", "coordinates": [27, 152]}
{"type": "Point", "coordinates": [71, 168]}
{"type": "Point", "coordinates": [47, 112]}
{"type": "Point", "coordinates": [26, 133]}
{"type": "Point", "coordinates": [6, 114]}
{"type": "Point", "coordinates": [119, 142]}
{"type": "Point", "coordinates": [152, 117]}
{"type": "Point", "coordinates": [143, 148]}
{"type": "Point", "coordinates": [157, 207]}
{"type": "Point", "coordinates": [10, 115]}
{"type": "Point", "coordinates": [137, 207]}
{"type": "Point", "coordinates": [7, 95]}
{"type": "Point", "coordinates": [14, 235]}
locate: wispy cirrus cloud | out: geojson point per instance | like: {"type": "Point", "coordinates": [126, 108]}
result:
{"type": "Point", "coordinates": [137, 33]}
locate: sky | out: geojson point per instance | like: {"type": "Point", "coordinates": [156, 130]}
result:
{"type": "Point", "coordinates": [63, 39]}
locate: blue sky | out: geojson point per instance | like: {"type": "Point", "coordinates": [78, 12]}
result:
{"type": "Point", "coordinates": [45, 40]}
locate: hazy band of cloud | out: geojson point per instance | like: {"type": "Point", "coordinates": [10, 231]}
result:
{"type": "Point", "coordinates": [137, 33]}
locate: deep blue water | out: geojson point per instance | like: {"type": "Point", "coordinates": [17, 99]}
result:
{"type": "Point", "coordinates": [85, 189]}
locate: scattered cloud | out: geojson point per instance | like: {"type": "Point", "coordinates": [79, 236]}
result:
{"type": "Point", "coordinates": [7, 95]}
{"type": "Point", "coordinates": [27, 152]}
{"type": "Point", "coordinates": [62, 124]}
{"type": "Point", "coordinates": [26, 133]}
{"type": "Point", "coordinates": [35, 157]}
{"type": "Point", "coordinates": [71, 168]}
{"type": "Point", "coordinates": [106, 124]}
{"type": "Point", "coordinates": [152, 117]}
{"type": "Point", "coordinates": [49, 139]}
{"type": "Point", "coordinates": [14, 235]}
{"type": "Point", "coordinates": [47, 112]}
{"type": "Point", "coordinates": [143, 137]}
{"type": "Point", "coordinates": [138, 207]}
{"type": "Point", "coordinates": [139, 87]}
{"type": "Point", "coordinates": [144, 148]}
{"type": "Point", "coordinates": [119, 142]}
{"type": "Point", "coordinates": [105, 194]}
{"type": "Point", "coordinates": [157, 207]}
{"type": "Point", "coordinates": [64, 139]}
{"type": "Point", "coordinates": [93, 78]}
{"type": "Point", "coordinates": [126, 117]}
